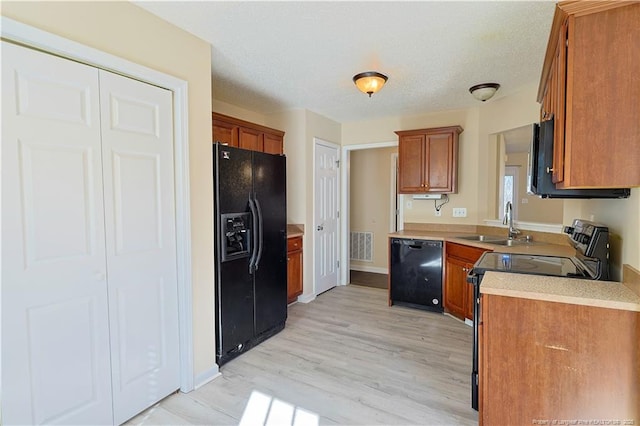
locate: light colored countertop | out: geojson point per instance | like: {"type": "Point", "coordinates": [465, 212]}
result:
{"type": "Point", "coordinates": [294, 230]}
{"type": "Point", "coordinates": [535, 247]}
{"type": "Point", "coordinates": [603, 294]}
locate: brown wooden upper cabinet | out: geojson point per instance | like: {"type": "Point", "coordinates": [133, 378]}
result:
{"type": "Point", "coordinates": [590, 86]}
{"type": "Point", "coordinates": [244, 134]}
{"type": "Point", "coordinates": [428, 160]}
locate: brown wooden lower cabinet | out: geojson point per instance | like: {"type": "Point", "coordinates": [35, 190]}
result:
{"type": "Point", "coordinates": [458, 294]}
{"type": "Point", "coordinates": [294, 268]}
{"type": "Point", "coordinates": [544, 362]}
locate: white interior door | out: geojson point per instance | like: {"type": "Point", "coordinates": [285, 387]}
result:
{"type": "Point", "coordinates": [137, 147]}
{"type": "Point", "coordinates": [326, 217]}
{"type": "Point", "coordinates": [89, 281]}
{"type": "Point", "coordinates": [55, 330]}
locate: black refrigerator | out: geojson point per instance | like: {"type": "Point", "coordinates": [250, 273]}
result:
{"type": "Point", "coordinates": [251, 248]}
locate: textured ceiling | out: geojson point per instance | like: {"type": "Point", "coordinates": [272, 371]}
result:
{"type": "Point", "coordinates": [273, 56]}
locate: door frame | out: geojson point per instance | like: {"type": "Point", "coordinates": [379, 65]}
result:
{"type": "Point", "coordinates": [345, 177]}
{"type": "Point", "coordinates": [323, 142]}
{"type": "Point", "coordinates": [36, 38]}
{"type": "Point", "coordinates": [396, 217]}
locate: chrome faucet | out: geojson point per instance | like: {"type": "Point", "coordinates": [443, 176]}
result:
{"type": "Point", "coordinates": [508, 219]}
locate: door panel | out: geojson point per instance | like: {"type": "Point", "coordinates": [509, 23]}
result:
{"type": "Point", "coordinates": [55, 334]}
{"type": "Point", "coordinates": [137, 149]}
{"type": "Point", "coordinates": [411, 156]}
{"type": "Point", "coordinates": [326, 218]}
{"type": "Point", "coordinates": [49, 325]}
{"type": "Point", "coordinates": [53, 233]}
{"type": "Point", "coordinates": [138, 212]}
{"type": "Point", "coordinates": [250, 139]}
{"type": "Point", "coordinates": [440, 160]}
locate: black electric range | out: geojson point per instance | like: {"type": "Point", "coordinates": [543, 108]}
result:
{"type": "Point", "coordinates": [591, 242]}
{"type": "Point", "coordinates": [533, 264]}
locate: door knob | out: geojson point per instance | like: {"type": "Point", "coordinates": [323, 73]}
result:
{"type": "Point", "coordinates": [320, 227]}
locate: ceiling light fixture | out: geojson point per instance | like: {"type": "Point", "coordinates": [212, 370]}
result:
{"type": "Point", "coordinates": [484, 91]}
{"type": "Point", "coordinates": [369, 82]}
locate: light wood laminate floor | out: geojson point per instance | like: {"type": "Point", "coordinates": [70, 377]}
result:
{"type": "Point", "coordinates": [345, 358]}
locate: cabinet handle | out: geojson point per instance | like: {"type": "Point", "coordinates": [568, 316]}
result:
{"type": "Point", "coordinates": [549, 169]}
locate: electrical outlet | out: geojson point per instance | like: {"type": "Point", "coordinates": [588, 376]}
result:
{"type": "Point", "coordinates": [438, 213]}
{"type": "Point", "coordinates": [459, 212]}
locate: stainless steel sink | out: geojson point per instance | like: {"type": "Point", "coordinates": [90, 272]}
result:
{"type": "Point", "coordinates": [484, 238]}
{"type": "Point", "coordinates": [497, 240]}
{"type": "Point", "coordinates": [510, 242]}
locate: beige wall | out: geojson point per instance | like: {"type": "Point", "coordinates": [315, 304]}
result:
{"type": "Point", "coordinates": [371, 201]}
{"type": "Point", "coordinates": [301, 127]}
{"type": "Point", "coordinates": [536, 209]}
{"type": "Point", "coordinates": [623, 219]}
{"type": "Point", "coordinates": [497, 116]}
{"type": "Point", "coordinates": [382, 130]}
{"type": "Point", "coordinates": [127, 31]}
{"type": "Point", "coordinates": [237, 112]}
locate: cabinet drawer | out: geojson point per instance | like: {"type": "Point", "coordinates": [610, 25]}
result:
{"type": "Point", "coordinates": [470, 254]}
{"type": "Point", "coordinates": [294, 243]}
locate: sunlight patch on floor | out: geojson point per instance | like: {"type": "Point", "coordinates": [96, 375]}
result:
{"type": "Point", "coordinates": [266, 410]}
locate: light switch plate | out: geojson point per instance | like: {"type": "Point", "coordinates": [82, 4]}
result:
{"type": "Point", "coordinates": [459, 212]}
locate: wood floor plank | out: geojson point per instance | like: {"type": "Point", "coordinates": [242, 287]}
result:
{"type": "Point", "coordinates": [347, 358]}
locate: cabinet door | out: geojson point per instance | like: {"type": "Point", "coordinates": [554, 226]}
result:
{"type": "Point", "coordinates": [411, 159]}
{"type": "Point", "coordinates": [250, 139]}
{"type": "Point", "coordinates": [273, 144]}
{"type": "Point", "coordinates": [440, 167]}
{"type": "Point", "coordinates": [225, 133]}
{"type": "Point", "coordinates": [602, 128]}
{"type": "Point", "coordinates": [557, 86]}
{"type": "Point", "coordinates": [294, 275]}
{"type": "Point", "coordinates": [455, 287]}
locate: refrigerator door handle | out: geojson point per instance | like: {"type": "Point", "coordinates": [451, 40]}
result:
{"type": "Point", "coordinates": [254, 230]}
{"type": "Point", "coordinates": [260, 233]}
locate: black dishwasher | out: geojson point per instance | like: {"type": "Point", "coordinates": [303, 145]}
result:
{"type": "Point", "coordinates": [416, 274]}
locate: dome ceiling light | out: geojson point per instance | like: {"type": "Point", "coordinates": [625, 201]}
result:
{"type": "Point", "coordinates": [484, 91]}
{"type": "Point", "coordinates": [370, 82]}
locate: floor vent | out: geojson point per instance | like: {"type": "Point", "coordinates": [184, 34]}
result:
{"type": "Point", "coordinates": [362, 246]}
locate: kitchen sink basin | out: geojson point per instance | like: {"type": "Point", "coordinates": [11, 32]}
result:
{"type": "Point", "coordinates": [510, 242]}
{"type": "Point", "coordinates": [483, 238]}
{"type": "Point", "coordinates": [495, 239]}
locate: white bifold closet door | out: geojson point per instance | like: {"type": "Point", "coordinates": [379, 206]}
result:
{"type": "Point", "coordinates": [89, 284]}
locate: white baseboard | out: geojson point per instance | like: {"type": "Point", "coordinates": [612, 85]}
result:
{"type": "Point", "coordinates": [306, 298]}
{"type": "Point", "coordinates": [365, 268]}
{"type": "Point", "coordinates": [206, 376]}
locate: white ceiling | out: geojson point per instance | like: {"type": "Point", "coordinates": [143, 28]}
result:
{"type": "Point", "coordinates": [272, 56]}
